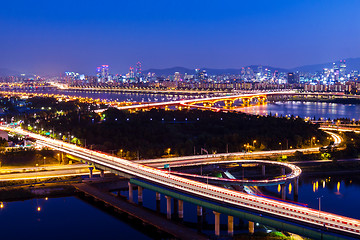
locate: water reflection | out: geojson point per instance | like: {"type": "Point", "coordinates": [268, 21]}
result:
{"type": "Point", "coordinates": [306, 109]}
{"type": "Point", "coordinates": [64, 218]}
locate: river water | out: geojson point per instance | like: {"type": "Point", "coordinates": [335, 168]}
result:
{"type": "Point", "coordinates": [72, 218]}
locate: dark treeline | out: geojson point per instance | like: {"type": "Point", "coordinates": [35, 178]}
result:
{"type": "Point", "coordinates": [157, 133]}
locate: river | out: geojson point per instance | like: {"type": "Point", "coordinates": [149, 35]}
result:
{"type": "Point", "coordinates": [72, 218]}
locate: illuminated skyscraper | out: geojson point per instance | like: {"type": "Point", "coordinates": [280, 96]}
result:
{"type": "Point", "coordinates": [342, 69]}
{"type": "Point", "coordinates": [336, 72]}
{"type": "Point", "coordinates": [138, 69]}
{"type": "Point", "coordinates": [293, 77]}
{"type": "Point", "coordinates": [102, 73]}
{"type": "Point", "coordinates": [131, 72]}
{"type": "Point", "coordinates": [177, 77]}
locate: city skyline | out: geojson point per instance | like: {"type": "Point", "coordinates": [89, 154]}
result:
{"type": "Point", "coordinates": [46, 38]}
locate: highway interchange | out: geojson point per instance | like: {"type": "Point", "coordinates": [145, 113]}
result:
{"type": "Point", "coordinates": [218, 194]}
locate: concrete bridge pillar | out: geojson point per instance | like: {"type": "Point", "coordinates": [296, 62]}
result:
{"type": "Point", "coordinates": [158, 206]}
{"type": "Point", "coordinates": [61, 158]}
{"type": "Point", "coordinates": [229, 103]}
{"type": "Point", "coordinates": [283, 171]}
{"type": "Point", "coordinates": [130, 192]}
{"type": "Point", "coordinates": [199, 218]}
{"type": "Point", "coordinates": [91, 172]}
{"type": "Point", "coordinates": [231, 226]}
{"type": "Point", "coordinates": [181, 209]}
{"type": "Point", "coordinates": [251, 227]}
{"type": "Point", "coordinates": [102, 173]}
{"type": "Point", "coordinates": [199, 211]}
{"type": "Point", "coordinates": [158, 196]}
{"type": "Point", "coordinates": [217, 223]}
{"type": "Point", "coordinates": [283, 191]}
{"type": "Point", "coordinates": [208, 104]}
{"type": "Point", "coordinates": [168, 207]}
{"type": "Point", "coordinates": [263, 170]}
{"type": "Point", "coordinates": [140, 195]}
{"type": "Point", "coordinates": [246, 101]}
{"type": "Point", "coordinates": [261, 99]}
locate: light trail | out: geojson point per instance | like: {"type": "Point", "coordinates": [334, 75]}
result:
{"type": "Point", "coordinates": [266, 206]}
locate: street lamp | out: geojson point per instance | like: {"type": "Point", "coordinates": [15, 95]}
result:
{"type": "Point", "coordinates": [254, 144]}
{"type": "Point", "coordinates": [311, 141]}
{"type": "Point", "coordinates": [319, 205]}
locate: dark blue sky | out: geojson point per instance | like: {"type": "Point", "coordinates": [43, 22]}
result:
{"type": "Point", "coordinates": [54, 36]}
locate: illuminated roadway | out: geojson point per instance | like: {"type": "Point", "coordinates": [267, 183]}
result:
{"type": "Point", "coordinates": [217, 158]}
{"type": "Point", "coordinates": [45, 173]}
{"type": "Point", "coordinates": [295, 172]}
{"type": "Point", "coordinates": [198, 100]}
{"type": "Point", "coordinates": [291, 212]}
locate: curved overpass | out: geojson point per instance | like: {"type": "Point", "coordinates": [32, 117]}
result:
{"type": "Point", "coordinates": [290, 212]}
{"type": "Point", "coordinates": [295, 172]}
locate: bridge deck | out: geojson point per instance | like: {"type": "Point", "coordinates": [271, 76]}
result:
{"type": "Point", "coordinates": [176, 230]}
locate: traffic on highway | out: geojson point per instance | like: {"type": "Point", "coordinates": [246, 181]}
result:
{"type": "Point", "coordinates": [233, 198]}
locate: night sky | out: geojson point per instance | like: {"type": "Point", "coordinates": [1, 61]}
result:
{"type": "Point", "coordinates": [53, 36]}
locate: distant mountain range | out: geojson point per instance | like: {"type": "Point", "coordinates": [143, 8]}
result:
{"type": "Point", "coordinates": [211, 71]}
{"type": "Point", "coordinates": [8, 72]}
{"type": "Point", "coordinates": [351, 63]}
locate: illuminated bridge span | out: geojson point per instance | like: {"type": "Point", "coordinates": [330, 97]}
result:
{"type": "Point", "coordinates": [228, 100]}
{"type": "Point", "coordinates": [207, 102]}
{"type": "Point", "coordinates": [150, 177]}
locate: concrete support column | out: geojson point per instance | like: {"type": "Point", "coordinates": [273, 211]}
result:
{"type": "Point", "coordinates": [130, 192]}
{"type": "Point", "coordinates": [217, 223]}
{"type": "Point", "coordinates": [168, 207]}
{"type": "Point", "coordinates": [140, 194]}
{"type": "Point", "coordinates": [282, 171]}
{"type": "Point", "coordinates": [181, 209]}
{"type": "Point", "coordinates": [62, 160]}
{"type": "Point", "coordinates": [91, 172]}
{"type": "Point", "coordinates": [158, 196]}
{"type": "Point", "coordinates": [283, 191]}
{"type": "Point", "coordinates": [263, 170]}
{"type": "Point", "coordinates": [251, 227]}
{"type": "Point", "coordinates": [102, 174]}
{"type": "Point", "coordinates": [199, 211]}
{"type": "Point", "coordinates": [231, 226]}
{"type": "Point", "coordinates": [158, 206]}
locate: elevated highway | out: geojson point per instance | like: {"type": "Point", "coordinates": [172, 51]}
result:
{"type": "Point", "coordinates": [224, 197]}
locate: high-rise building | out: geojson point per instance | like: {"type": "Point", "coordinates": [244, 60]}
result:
{"type": "Point", "coordinates": [293, 77]}
{"type": "Point", "coordinates": [131, 72]}
{"type": "Point", "coordinates": [342, 69]}
{"type": "Point", "coordinates": [138, 69]}
{"type": "Point", "coordinates": [336, 72]}
{"type": "Point", "coordinates": [102, 73]}
{"type": "Point", "coordinates": [177, 77]}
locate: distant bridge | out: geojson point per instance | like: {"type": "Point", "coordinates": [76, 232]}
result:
{"type": "Point", "coordinates": [229, 99]}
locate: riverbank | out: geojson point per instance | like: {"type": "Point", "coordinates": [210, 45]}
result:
{"type": "Point", "coordinates": [63, 188]}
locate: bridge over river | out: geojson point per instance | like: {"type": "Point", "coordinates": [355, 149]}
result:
{"type": "Point", "coordinates": [282, 215]}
